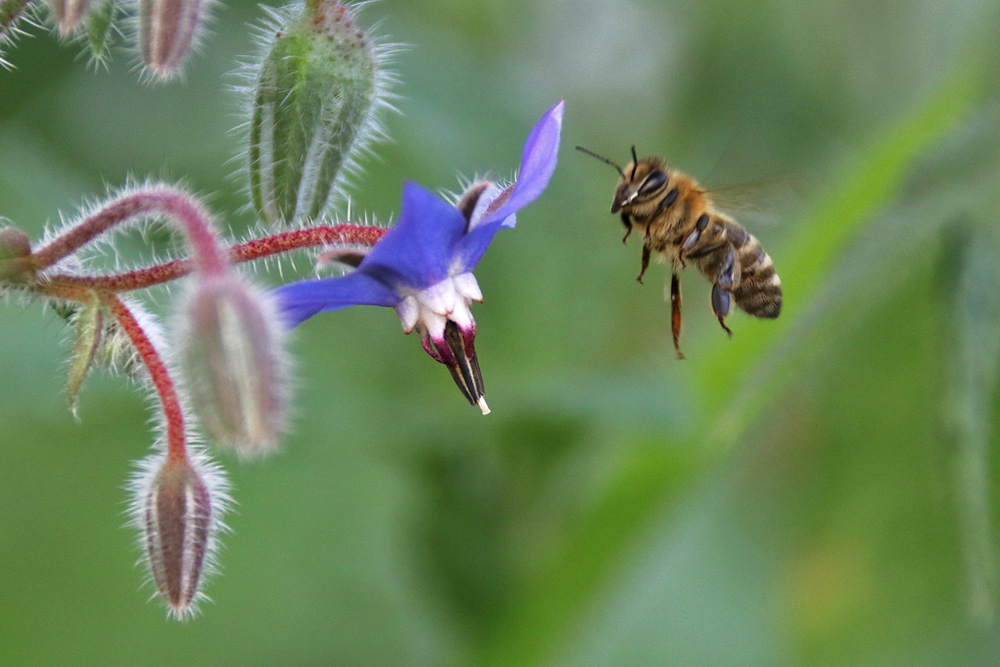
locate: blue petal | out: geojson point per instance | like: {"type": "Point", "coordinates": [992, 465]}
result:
{"type": "Point", "coordinates": [297, 302]}
{"type": "Point", "coordinates": [473, 246]}
{"type": "Point", "coordinates": [538, 161]}
{"type": "Point", "coordinates": [418, 252]}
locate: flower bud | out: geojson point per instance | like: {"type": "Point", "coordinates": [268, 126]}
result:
{"type": "Point", "coordinates": [233, 362]}
{"type": "Point", "coordinates": [313, 101]}
{"type": "Point", "coordinates": [69, 14]}
{"type": "Point", "coordinates": [101, 29]}
{"type": "Point", "coordinates": [167, 31]}
{"type": "Point", "coordinates": [178, 524]}
{"type": "Point", "coordinates": [11, 14]}
{"type": "Point", "coordinates": [15, 252]}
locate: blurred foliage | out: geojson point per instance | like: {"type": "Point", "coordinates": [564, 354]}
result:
{"type": "Point", "coordinates": [818, 490]}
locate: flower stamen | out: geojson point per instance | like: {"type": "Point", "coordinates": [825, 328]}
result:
{"type": "Point", "coordinates": [464, 365]}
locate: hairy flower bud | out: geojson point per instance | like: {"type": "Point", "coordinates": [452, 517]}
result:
{"type": "Point", "coordinates": [315, 94]}
{"type": "Point", "coordinates": [178, 507]}
{"type": "Point", "coordinates": [15, 251]}
{"type": "Point", "coordinates": [233, 362]}
{"type": "Point", "coordinates": [69, 14]}
{"type": "Point", "coordinates": [167, 32]}
{"type": "Point", "coordinates": [101, 29]}
{"type": "Point", "coordinates": [11, 14]}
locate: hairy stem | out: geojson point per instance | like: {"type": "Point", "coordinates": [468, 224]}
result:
{"type": "Point", "coordinates": [244, 252]}
{"type": "Point", "coordinates": [175, 204]}
{"type": "Point", "coordinates": [160, 377]}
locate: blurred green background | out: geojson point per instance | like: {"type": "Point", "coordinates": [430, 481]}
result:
{"type": "Point", "coordinates": [818, 490]}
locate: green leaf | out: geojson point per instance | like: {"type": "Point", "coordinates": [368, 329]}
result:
{"type": "Point", "coordinates": [971, 386]}
{"type": "Point", "coordinates": [88, 326]}
{"type": "Point", "coordinates": [562, 587]}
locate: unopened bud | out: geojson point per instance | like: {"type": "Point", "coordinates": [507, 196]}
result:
{"type": "Point", "coordinates": [11, 15]}
{"type": "Point", "coordinates": [69, 14]}
{"type": "Point", "coordinates": [234, 364]}
{"type": "Point", "coordinates": [314, 101]}
{"type": "Point", "coordinates": [178, 531]}
{"type": "Point", "coordinates": [15, 253]}
{"type": "Point", "coordinates": [167, 32]}
{"type": "Point", "coordinates": [101, 29]}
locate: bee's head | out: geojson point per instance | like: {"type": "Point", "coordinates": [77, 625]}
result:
{"type": "Point", "coordinates": [643, 183]}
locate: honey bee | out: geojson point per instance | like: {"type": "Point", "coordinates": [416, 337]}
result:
{"type": "Point", "coordinates": [680, 224]}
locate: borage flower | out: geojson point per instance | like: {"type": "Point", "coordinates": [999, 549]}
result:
{"type": "Point", "coordinates": [423, 266]}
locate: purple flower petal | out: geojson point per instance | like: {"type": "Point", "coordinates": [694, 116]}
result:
{"type": "Point", "coordinates": [417, 252]}
{"type": "Point", "coordinates": [474, 244]}
{"type": "Point", "coordinates": [538, 161]}
{"type": "Point", "coordinates": [300, 301]}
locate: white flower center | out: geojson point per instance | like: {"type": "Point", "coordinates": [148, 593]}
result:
{"type": "Point", "coordinates": [429, 309]}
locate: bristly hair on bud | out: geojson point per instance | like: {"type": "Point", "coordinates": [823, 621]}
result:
{"type": "Point", "coordinates": [178, 505]}
{"type": "Point", "coordinates": [69, 15]}
{"type": "Point", "coordinates": [13, 13]}
{"type": "Point", "coordinates": [169, 31]}
{"type": "Point", "coordinates": [233, 362]}
{"type": "Point", "coordinates": [316, 90]}
{"type": "Point", "coordinates": [101, 30]}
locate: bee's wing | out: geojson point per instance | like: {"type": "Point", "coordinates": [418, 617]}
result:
{"type": "Point", "coordinates": [762, 201]}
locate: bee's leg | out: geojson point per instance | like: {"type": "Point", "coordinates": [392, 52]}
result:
{"type": "Point", "coordinates": [728, 276]}
{"type": "Point", "coordinates": [628, 226]}
{"type": "Point", "coordinates": [730, 271]}
{"type": "Point", "coordinates": [695, 235]}
{"type": "Point", "coordinates": [645, 261]}
{"type": "Point", "coordinates": [720, 305]}
{"type": "Point", "coordinates": [675, 313]}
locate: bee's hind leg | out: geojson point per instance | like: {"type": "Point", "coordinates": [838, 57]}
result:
{"type": "Point", "coordinates": [720, 305]}
{"type": "Point", "coordinates": [728, 277]}
{"type": "Point", "coordinates": [675, 313]}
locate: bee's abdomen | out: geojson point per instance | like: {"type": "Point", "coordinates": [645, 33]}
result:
{"type": "Point", "coordinates": [759, 291]}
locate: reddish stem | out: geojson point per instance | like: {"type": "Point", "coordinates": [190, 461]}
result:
{"type": "Point", "coordinates": [172, 412]}
{"type": "Point", "coordinates": [244, 252]}
{"type": "Point", "coordinates": [176, 204]}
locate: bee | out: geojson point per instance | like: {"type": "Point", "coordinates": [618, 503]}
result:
{"type": "Point", "coordinates": [680, 224]}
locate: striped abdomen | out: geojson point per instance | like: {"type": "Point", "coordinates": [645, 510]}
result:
{"type": "Point", "coordinates": [758, 289]}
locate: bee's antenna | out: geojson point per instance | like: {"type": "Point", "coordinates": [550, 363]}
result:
{"type": "Point", "coordinates": [601, 158]}
{"type": "Point", "coordinates": [635, 161]}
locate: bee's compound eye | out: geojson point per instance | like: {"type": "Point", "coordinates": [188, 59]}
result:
{"type": "Point", "coordinates": [653, 183]}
